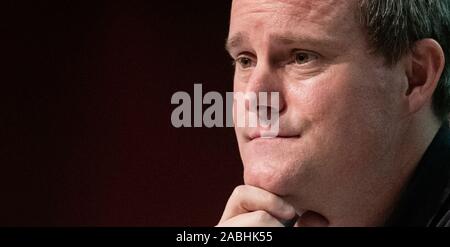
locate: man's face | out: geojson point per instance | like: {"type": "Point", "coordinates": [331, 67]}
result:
{"type": "Point", "coordinates": [339, 106]}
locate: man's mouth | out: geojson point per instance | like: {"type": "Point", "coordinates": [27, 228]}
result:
{"type": "Point", "coordinates": [259, 135]}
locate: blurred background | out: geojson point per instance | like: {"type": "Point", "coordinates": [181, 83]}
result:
{"type": "Point", "coordinates": [87, 137]}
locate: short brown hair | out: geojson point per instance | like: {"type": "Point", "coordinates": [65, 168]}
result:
{"type": "Point", "coordinates": [393, 26]}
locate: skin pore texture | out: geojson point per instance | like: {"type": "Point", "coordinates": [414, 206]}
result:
{"type": "Point", "coordinates": [352, 129]}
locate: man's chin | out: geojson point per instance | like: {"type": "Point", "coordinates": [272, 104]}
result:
{"type": "Point", "coordinates": [267, 178]}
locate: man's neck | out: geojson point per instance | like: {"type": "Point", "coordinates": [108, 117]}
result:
{"type": "Point", "coordinates": [373, 209]}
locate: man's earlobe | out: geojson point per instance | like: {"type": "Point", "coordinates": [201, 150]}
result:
{"type": "Point", "coordinates": [425, 65]}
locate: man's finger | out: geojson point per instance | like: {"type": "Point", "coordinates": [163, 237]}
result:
{"type": "Point", "coordinates": [253, 219]}
{"type": "Point", "coordinates": [246, 198]}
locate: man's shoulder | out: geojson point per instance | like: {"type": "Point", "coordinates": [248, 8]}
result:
{"type": "Point", "coordinates": [442, 218]}
{"type": "Point", "coordinates": [438, 176]}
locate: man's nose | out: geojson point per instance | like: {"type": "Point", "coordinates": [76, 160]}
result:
{"type": "Point", "coordinates": [263, 83]}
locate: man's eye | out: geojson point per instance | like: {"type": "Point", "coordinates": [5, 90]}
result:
{"type": "Point", "coordinates": [304, 57]}
{"type": "Point", "coordinates": [244, 62]}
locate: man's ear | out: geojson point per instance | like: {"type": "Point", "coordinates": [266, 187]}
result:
{"type": "Point", "coordinates": [425, 64]}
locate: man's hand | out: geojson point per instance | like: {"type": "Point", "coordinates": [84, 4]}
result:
{"type": "Point", "coordinates": [251, 206]}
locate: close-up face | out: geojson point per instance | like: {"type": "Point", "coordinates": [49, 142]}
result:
{"type": "Point", "coordinates": [340, 105]}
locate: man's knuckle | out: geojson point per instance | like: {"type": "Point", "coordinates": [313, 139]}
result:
{"type": "Point", "coordinates": [238, 191]}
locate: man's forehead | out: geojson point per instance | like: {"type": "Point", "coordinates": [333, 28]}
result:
{"type": "Point", "coordinates": [324, 7]}
{"type": "Point", "coordinates": [312, 17]}
{"type": "Point", "coordinates": [291, 11]}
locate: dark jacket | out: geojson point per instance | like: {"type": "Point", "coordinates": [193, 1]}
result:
{"type": "Point", "coordinates": [426, 199]}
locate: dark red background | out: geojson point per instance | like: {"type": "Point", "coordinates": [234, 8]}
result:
{"type": "Point", "coordinates": [87, 138]}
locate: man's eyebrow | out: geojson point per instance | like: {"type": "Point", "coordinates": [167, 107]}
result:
{"type": "Point", "coordinates": [235, 41]}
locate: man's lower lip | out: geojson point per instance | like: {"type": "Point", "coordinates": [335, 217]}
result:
{"type": "Point", "coordinates": [275, 138]}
